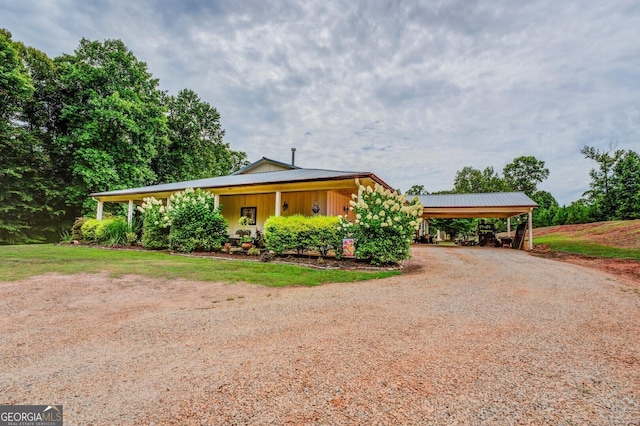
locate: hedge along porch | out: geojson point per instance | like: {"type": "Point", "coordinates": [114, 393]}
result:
{"type": "Point", "coordinates": [264, 188]}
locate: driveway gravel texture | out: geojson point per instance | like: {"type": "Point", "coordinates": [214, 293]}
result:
{"type": "Point", "coordinates": [466, 335]}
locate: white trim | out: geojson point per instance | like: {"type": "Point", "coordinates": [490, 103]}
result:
{"type": "Point", "coordinates": [130, 213]}
{"type": "Point", "coordinates": [100, 210]}
{"type": "Point", "coordinates": [531, 229]}
{"type": "Point", "coordinates": [278, 201]}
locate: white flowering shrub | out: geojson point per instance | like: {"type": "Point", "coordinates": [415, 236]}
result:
{"type": "Point", "coordinates": [155, 224]}
{"type": "Point", "coordinates": [385, 224]}
{"type": "Point", "coordinates": [194, 223]}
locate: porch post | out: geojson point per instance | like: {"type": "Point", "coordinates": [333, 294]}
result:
{"type": "Point", "coordinates": [531, 229]}
{"type": "Point", "coordinates": [216, 200]}
{"type": "Point", "coordinates": [278, 202]}
{"type": "Point", "coordinates": [130, 213]}
{"type": "Point", "coordinates": [100, 209]}
{"type": "Point", "coordinates": [426, 226]}
{"type": "Point", "coordinates": [508, 227]}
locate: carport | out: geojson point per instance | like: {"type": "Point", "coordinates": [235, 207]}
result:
{"type": "Point", "coordinates": [503, 205]}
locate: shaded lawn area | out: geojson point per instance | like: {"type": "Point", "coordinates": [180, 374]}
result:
{"type": "Point", "coordinates": [19, 262]}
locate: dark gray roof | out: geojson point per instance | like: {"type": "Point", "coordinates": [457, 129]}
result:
{"type": "Point", "coordinates": [491, 199]}
{"type": "Point", "coordinates": [285, 176]}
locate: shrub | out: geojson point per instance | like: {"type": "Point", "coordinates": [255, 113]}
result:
{"type": "Point", "coordinates": [303, 233]}
{"type": "Point", "coordinates": [155, 224]}
{"type": "Point", "coordinates": [195, 224]}
{"type": "Point", "coordinates": [385, 224]}
{"type": "Point", "coordinates": [89, 228]}
{"type": "Point", "coordinates": [76, 229]}
{"type": "Point", "coordinates": [112, 231]}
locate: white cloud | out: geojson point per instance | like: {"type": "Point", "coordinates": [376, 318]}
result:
{"type": "Point", "coordinates": [411, 92]}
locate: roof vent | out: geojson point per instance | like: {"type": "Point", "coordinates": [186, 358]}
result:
{"type": "Point", "coordinates": [293, 156]}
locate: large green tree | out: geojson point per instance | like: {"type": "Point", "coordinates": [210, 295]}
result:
{"type": "Point", "coordinates": [196, 148]}
{"type": "Point", "coordinates": [27, 196]}
{"type": "Point", "coordinates": [524, 174]}
{"type": "Point", "coordinates": [599, 194]}
{"type": "Point", "coordinates": [112, 123]}
{"type": "Point", "coordinates": [471, 180]}
{"type": "Point", "coordinates": [625, 186]}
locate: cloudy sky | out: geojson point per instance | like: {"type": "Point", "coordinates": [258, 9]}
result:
{"type": "Point", "coordinates": [412, 91]}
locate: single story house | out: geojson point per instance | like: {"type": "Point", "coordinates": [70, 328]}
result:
{"type": "Point", "coordinates": [261, 189]}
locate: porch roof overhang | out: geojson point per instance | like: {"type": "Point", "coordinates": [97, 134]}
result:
{"type": "Point", "coordinates": [257, 183]}
{"type": "Point", "coordinates": [484, 205]}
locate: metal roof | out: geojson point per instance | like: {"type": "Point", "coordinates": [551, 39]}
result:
{"type": "Point", "coordinates": [490, 199]}
{"type": "Point", "coordinates": [285, 176]}
{"type": "Point", "coordinates": [485, 205]}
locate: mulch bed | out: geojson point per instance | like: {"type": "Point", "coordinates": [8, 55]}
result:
{"type": "Point", "coordinates": [311, 260]}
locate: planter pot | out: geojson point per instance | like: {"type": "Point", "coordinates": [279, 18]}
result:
{"type": "Point", "coordinates": [246, 246]}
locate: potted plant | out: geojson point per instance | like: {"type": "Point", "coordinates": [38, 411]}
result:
{"type": "Point", "coordinates": [246, 242]}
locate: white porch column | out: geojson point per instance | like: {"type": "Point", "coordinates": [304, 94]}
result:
{"type": "Point", "coordinates": [100, 209]}
{"type": "Point", "coordinates": [508, 227]}
{"type": "Point", "coordinates": [531, 229]}
{"type": "Point", "coordinates": [426, 227]}
{"type": "Point", "coordinates": [216, 200]}
{"type": "Point", "coordinates": [278, 202]}
{"type": "Point", "coordinates": [130, 213]}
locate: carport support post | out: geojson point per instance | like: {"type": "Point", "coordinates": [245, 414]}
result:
{"type": "Point", "coordinates": [530, 229]}
{"type": "Point", "coordinates": [508, 227]}
{"type": "Point", "coordinates": [216, 200]}
{"type": "Point", "coordinates": [130, 213]}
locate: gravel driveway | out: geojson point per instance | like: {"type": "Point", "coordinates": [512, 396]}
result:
{"type": "Point", "coordinates": [467, 336]}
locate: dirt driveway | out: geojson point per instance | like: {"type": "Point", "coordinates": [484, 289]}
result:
{"type": "Point", "coordinates": [469, 336]}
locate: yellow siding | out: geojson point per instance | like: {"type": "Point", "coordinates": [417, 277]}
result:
{"type": "Point", "coordinates": [231, 204]}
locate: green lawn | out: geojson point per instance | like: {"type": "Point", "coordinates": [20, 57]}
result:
{"type": "Point", "coordinates": [18, 262]}
{"type": "Point", "coordinates": [565, 244]}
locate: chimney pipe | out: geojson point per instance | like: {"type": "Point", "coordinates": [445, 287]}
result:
{"type": "Point", "coordinates": [293, 156]}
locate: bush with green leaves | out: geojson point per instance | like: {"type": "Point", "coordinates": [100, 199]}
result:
{"type": "Point", "coordinates": [76, 229]}
{"type": "Point", "coordinates": [89, 230]}
{"type": "Point", "coordinates": [194, 223]}
{"type": "Point", "coordinates": [303, 233]}
{"type": "Point", "coordinates": [112, 231]}
{"type": "Point", "coordinates": [384, 226]}
{"type": "Point", "coordinates": [155, 224]}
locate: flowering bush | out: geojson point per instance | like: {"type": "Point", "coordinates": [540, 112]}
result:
{"type": "Point", "coordinates": [155, 224]}
{"type": "Point", "coordinates": [385, 224]}
{"type": "Point", "coordinates": [194, 223]}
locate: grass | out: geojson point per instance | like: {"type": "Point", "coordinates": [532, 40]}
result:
{"type": "Point", "coordinates": [567, 244]}
{"type": "Point", "coordinates": [19, 262]}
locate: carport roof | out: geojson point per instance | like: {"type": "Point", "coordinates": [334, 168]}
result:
{"type": "Point", "coordinates": [488, 205]}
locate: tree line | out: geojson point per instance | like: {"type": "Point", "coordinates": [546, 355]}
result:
{"type": "Point", "coordinates": [614, 192]}
{"type": "Point", "coordinates": [93, 121]}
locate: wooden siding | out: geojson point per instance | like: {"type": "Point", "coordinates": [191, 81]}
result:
{"type": "Point", "coordinates": [265, 167]}
{"type": "Point", "coordinates": [231, 204]}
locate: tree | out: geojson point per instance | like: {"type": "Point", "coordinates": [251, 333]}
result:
{"type": "Point", "coordinates": [112, 123]}
{"type": "Point", "coordinates": [599, 196]}
{"type": "Point", "coordinates": [417, 190]}
{"type": "Point", "coordinates": [524, 174]}
{"type": "Point", "coordinates": [625, 186]}
{"type": "Point", "coordinates": [27, 196]}
{"type": "Point", "coordinates": [196, 148]}
{"type": "Point", "coordinates": [470, 180]}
